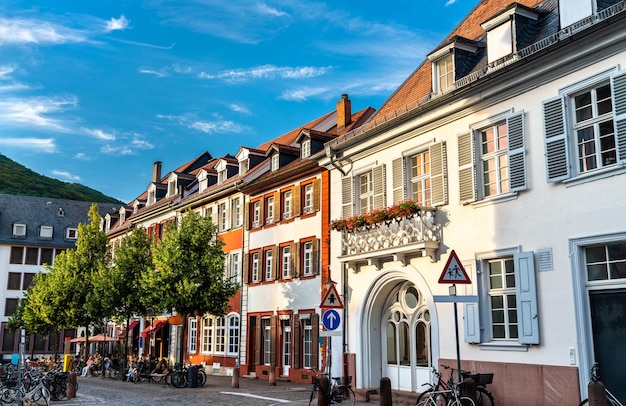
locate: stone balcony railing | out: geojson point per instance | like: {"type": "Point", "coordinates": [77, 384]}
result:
{"type": "Point", "coordinates": [414, 235]}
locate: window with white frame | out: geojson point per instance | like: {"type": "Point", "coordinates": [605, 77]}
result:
{"type": "Point", "coordinates": [234, 267]}
{"type": "Point", "coordinates": [421, 175]}
{"type": "Point", "coordinates": [308, 198]}
{"type": "Point", "coordinates": [308, 259]}
{"type": "Point", "coordinates": [233, 335]}
{"type": "Point", "coordinates": [269, 204]}
{"type": "Point", "coordinates": [444, 73]}
{"type": "Point", "coordinates": [420, 178]}
{"type": "Point", "coordinates": [236, 212]}
{"type": "Point", "coordinates": [45, 231]}
{"type": "Point", "coordinates": [286, 262]}
{"type": "Point", "coordinates": [366, 192]}
{"type": "Point", "coordinates": [171, 188]}
{"type": "Point", "coordinates": [286, 204]}
{"type": "Point", "coordinates": [369, 191]}
{"type": "Point", "coordinates": [206, 341]}
{"type": "Point", "coordinates": [151, 197]}
{"type": "Point", "coordinates": [307, 343]}
{"type": "Point", "coordinates": [220, 335]}
{"type": "Point", "coordinates": [71, 233]}
{"type": "Point", "coordinates": [585, 128]}
{"type": "Point", "coordinates": [269, 264]}
{"type": "Point", "coordinates": [266, 328]}
{"type": "Point", "coordinates": [507, 311]}
{"type": "Point", "coordinates": [256, 214]}
{"type": "Point", "coordinates": [224, 219]}
{"type": "Point", "coordinates": [255, 267]}
{"type": "Point", "coordinates": [244, 165]}
{"type": "Point", "coordinates": [495, 152]}
{"type": "Point", "coordinates": [221, 176]}
{"type": "Point", "coordinates": [275, 162]}
{"type": "Point", "coordinates": [19, 230]}
{"type": "Point", "coordinates": [305, 149]}
{"type": "Point", "coordinates": [193, 335]}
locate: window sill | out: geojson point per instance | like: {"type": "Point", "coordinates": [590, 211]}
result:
{"type": "Point", "coordinates": [505, 197]}
{"type": "Point", "coordinates": [503, 346]}
{"type": "Point", "coordinates": [596, 175]}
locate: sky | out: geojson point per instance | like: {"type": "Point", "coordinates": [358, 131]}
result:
{"type": "Point", "coordinates": [94, 92]}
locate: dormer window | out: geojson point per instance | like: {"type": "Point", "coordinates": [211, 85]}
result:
{"type": "Point", "coordinates": [171, 187]}
{"type": "Point", "coordinates": [203, 181]}
{"type": "Point", "coordinates": [45, 232]}
{"type": "Point", "coordinates": [503, 29]}
{"type": "Point", "coordinates": [71, 233]}
{"type": "Point", "coordinates": [151, 197]}
{"type": "Point", "coordinates": [444, 74]}
{"type": "Point", "coordinates": [122, 216]}
{"type": "Point", "coordinates": [221, 176]}
{"type": "Point", "coordinates": [244, 166]}
{"type": "Point", "coordinates": [446, 63]}
{"type": "Point", "coordinates": [275, 162]}
{"type": "Point", "coordinates": [19, 230]}
{"type": "Point", "coordinates": [305, 149]}
{"type": "Point", "coordinates": [107, 223]}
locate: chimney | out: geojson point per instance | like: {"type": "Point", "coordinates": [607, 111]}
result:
{"type": "Point", "coordinates": [344, 112]}
{"type": "Point", "coordinates": [156, 172]}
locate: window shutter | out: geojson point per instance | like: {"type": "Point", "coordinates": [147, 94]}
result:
{"type": "Point", "coordinates": [275, 261]}
{"type": "Point", "coordinates": [296, 341]}
{"type": "Point", "coordinates": [618, 87]}
{"type": "Point", "coordinates": [273, 340]}
{"type": "Point", "coordinates": [526, 295]}
{"type": "Point", "coordinates": [261, 212]}
{"type": "Point", "coordinates": [316, 256]}
{"type": "Point", "coordinates": [277, 213]}
{"type": "Point", "coordinates": [557, 165]}
{"type": "Point", "coordinates": [347, 194]}
{"type": "Point", "coordinates": [471, 323]}
{"type": "Point", "coordinates": [247, 215]}
{"type": "Point", "coordinates": [398, 173]}
{"type": "Point", "coordinates": [315, 335]}
{"type": "Point", "coordinates": [258, 340]}
{"type": "Point", "coordinates": [244, 267]}
{"type": "Point", "coordinates": [517, 151]}
{"type": "Point", "coordinates": [295, 201]}
{"type": "Point", "coordinates": [295, 259]}
{"type": "Point", "coordinates": [316, 195]}
{"type": "Point", "coordinates": [467, 174]}
{"type": "Point", "coordinates": [378, 180]}
{"type": "Point", "coordinates": [438, 174]}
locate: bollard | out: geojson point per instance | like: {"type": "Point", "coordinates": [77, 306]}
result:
{"type": "Point", "coordinates": [234, 383]}
{"type": "Point", "coordinates": [322, 399]}
{"type": "Point", "coordinates": [71, 389]}
{"type": "Point", "coordinates": [597, 394]}
{"type": "Point", "coordinates": [272, 377]}
{"type": "Point", "coordinates": [468, 388]}
{"type": "Point", "coordinates": [385, 392]}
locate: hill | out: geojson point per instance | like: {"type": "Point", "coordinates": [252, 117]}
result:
{"type": "Point", "coordinates": [17, 179]}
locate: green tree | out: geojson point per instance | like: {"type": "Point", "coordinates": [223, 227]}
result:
{"type": "Point", "coordinates": [119, 287]}
{"type": "Point", "coordinates": [189, 271]}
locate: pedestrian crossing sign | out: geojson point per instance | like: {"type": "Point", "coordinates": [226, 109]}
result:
{"type": "Point", "coordinates": [454, 272]}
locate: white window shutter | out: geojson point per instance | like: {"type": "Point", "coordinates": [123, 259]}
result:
{"type": "Point", "coordinates": [467, 170]}
{"type": "Point", "coordinates": [378, 180]}
{"type": "Point", "coordinates": [347, 185]}
{"type": "Point", "coordinates": [517, 151]}
{"type": "Point", "coordinates": [471, 323]}
{"type": "Point", "coordinates": [438, 174]}
{"type": "Point", "coordinates": [398, 179]}
{"type": "Point", "coordinates": [526, 295]}
{"type": "Point", "coordinates": [557, 161]}
{"type": "Point", "coordinates": [618, 87]}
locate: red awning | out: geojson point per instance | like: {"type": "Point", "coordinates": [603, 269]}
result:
{"type": "Point", "coordinates": [130, 327]}
{"type": "Point", "coordinates": [153, 328]}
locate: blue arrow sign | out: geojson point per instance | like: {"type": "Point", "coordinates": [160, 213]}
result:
{"type": "Point", "coordinates": [331, 319]}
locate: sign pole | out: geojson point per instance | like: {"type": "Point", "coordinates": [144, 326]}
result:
{"type": "Point", "coordinates": [456, 333]}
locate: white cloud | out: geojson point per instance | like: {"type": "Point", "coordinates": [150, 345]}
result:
{"type": "Point", "coordinates": [116, 150]}
{"type": "Point", "coordinates": [65, 175]}
{"type": "Point", "coordinates": [265, 9]}
{"type": "Point", "coordinates": [34, 31]}
{"type": "Point", "coordinates": [304, 93]}
{"type": "Point", "coordinates": [158, 73]}
{"type": "Point", "coordinates": [450, 2]}
{"type": "Point", "coordinates": [82, 157]}
{"type": "Point", "coordinates": [5, 70]}
{"type": "Point", "coordinates": [117, 24]}
{"type": "Point", "coordinates": [210, 127]}
{"type": "Point", "coordinates": [35, 112]}
{"type": "Point", "coordinates": [267, 72]}
{"type": "Point", "coordinates": [99, 134]}
{"type": "Point", "coordinates": [46, 145]}
{"type": "Point", "coordinates": [238, 108]}
{"type": "Point", "coordinates": [139, 143]}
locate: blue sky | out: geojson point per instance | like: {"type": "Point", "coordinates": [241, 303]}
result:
{"type": "Point", "coordinates": [94, 92]}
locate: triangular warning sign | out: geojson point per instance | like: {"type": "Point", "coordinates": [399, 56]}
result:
{"type": "Point", "coordinates": [331, 299]}
{"type": "Point", "coordinates": [454, 271]}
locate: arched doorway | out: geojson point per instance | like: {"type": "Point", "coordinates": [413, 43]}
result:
{"type": "Point", "coordinates": [406, 337]}
{"type": "Point", "coordinates": [399, 322]}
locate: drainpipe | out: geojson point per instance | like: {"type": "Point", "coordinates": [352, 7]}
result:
{"type": "Point", "coordinates": [344, 293]}
{"type": "Point", "coordinates": [331, 153]}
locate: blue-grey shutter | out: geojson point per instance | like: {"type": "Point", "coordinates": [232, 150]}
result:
{"type": "Point", "coordinates": [517, 151]}
{"type": "Point", "coordinates": [526, 295]}
{"type": "Point", "coordinates": [398, 179]}
{"type": "Point", "coordinates": [467, 173]}
{"type": "Point", "coordinates": [555, 134]}
{"type": "Point", "coordinates": [347, 192]}
{"type": "Point", "coordinates": [471, 323]}
{"type": "Point", "coordinates": [379, 184]}
{"type": "Point", "coordinates": [618, 87]}
{"type": "Point", "coordinates": [438, 174]}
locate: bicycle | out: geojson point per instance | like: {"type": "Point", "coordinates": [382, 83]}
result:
{"type": "Point", "coordinates": [595, 378]}
{"type": "Point", "coordinates": [178, 377]}
{"type": "Point", "coordinates": [337, 392]}
{"type": "Point", "coordinates": [483, 396]}
{"type": "Point", "coordinates": [446, 397]}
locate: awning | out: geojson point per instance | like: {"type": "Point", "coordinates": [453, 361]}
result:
{"type": "Point", "coordinates": [153, 328]}
{"type": "Point", "coordinates": [101, 338]}
{"type": "Point", "coordinates": [77, 340]}
{"type": "Point", "coordinates": [130, 328]}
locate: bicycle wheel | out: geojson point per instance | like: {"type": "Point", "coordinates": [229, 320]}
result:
{"type": "Point", "coordinates": [462, 401]}
{"type": "Point", "coordinates": [431, 397]}
{"type": "Point", "coordinates": [179, 379]}
{"type": "Point", "coordinates": [343, 393]}
{"type": "Point", "coordinates": [484, 397]}
{"type": "Point", "coordinates": [10, 396]}
{"type": "Point", "coordinates": [201, 377]}
{"type": "Point", "coordinates": [40, 396]}
{"type": "Point", "coordinates": [65, 388]}
{"type": "Point", "coordinates": [423, 396]}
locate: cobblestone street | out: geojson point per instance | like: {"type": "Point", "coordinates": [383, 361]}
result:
{"type": "Point", "coordinates": [217, 391]}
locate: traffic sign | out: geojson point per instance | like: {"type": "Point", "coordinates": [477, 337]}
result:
{"type": "Point", "coordinates": [331, 319]}
{"type": "Point", "coordinates": [331, 299]}
{"type": "Point", "coordinates": [454, 272]}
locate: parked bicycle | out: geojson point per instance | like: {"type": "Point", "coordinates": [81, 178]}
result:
{"type": "Point", "coordinates": [32, 389]}
{"type": "Point", "coordinates": [611, 400]}
{"type": "Point", "coordinates": [483, 396]}
{"type": "Point", "coordinates": [178, 377]}
{"type": "Point", "coordinates": [338, 391]}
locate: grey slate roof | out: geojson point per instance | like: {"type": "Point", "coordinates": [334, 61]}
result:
{"type": "Point", "coordinates": [41, 211]}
